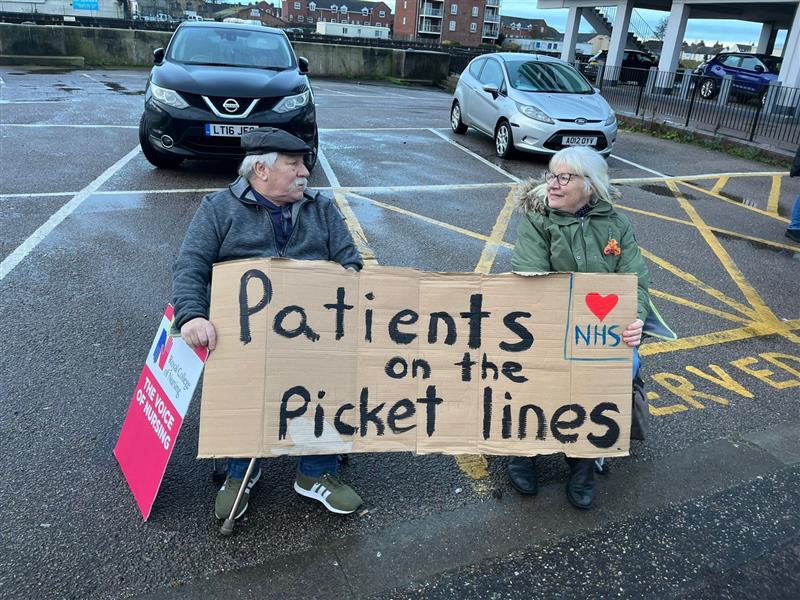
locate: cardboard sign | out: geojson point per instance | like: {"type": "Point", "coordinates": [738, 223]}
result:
{"type": "Point", "coordinates": [314, 359]}
{"type": "Point", "coordinates": [156, 412]}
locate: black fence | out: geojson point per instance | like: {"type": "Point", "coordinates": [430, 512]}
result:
{"type": "Point", "coordinates": [768, 114]}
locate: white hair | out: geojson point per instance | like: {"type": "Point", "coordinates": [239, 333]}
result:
{"type": "Point", "coordinates": [579, 160]}
{"type": "Point", "coordinates": [248, 167]}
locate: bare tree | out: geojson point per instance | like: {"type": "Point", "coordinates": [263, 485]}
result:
{"type": "Point", "coordinates": [661, 29]}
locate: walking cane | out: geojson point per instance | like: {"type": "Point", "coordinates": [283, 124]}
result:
{"type": "Point", "coordinates": [227, 526]}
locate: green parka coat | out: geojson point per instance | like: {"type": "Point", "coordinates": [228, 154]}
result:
{"type": "Point", "coordinates": [560, 241]}
{"type": "Point", "coordinates": [552, 240]}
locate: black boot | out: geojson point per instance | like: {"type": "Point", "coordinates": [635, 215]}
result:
{"type": "Point", "coordinates": [522, 474]}
{"type": "Point", "coordinates": [580, 487]}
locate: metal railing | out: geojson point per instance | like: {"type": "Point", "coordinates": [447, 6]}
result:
{"type": "Point", "coordinates": [431, 12]}
{"type": "Point", "coordinates": [638, 25]}
{"type": "Point", "coordinates": [765, 114]}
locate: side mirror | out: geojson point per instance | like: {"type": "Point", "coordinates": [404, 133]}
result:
{"type": "Point", "coordinates": [158, 56]}
{"type": "Point", "coordinates": [492, 89]}
{"type": "Point", "coordinates": [302, 63]}
{"type": "Point", "coordinates": [596, 90]}
{"type": "Point", "coordinates": [759, 69]}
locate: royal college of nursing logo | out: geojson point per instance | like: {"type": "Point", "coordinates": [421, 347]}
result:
{"type": "Point", "coordinates": [163, 347]}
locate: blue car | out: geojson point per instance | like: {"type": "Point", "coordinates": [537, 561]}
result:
{"type": "Point", "coordinates": [751, 74]}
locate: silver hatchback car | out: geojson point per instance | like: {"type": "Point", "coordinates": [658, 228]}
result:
{"type": "Point", "coordinates": [533, 103]}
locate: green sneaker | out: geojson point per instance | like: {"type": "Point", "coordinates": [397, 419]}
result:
{"type": "Point", "coordinates": [226, 496]}
{"type": "Point", "coordinates": [335, 495]}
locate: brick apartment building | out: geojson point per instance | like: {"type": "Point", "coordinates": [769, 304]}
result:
{"type": "Point", "coordinates": [468, 22]}
{"type": "Point", "coordinates": [306, 13]}
{"type": "Point", "coordinates": [266, 12]}
{"type": "Point", "coordinates": [526, 29]}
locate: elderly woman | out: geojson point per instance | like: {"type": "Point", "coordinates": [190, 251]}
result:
{"type": "Point", "coordinates": [570, 224]}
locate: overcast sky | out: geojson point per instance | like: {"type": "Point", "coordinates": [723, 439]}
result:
{"type": "Point", "coordinates": [724, 31]}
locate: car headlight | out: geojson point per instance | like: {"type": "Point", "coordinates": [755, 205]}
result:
{"type": "Point", "coordinates": [611, 120]}
{"type": "Point", "coordinates": [168, 97]}
{"type": "Point", "coordinates": [293, 102]}
{"type": "Point", "coordinates": [534, 113]}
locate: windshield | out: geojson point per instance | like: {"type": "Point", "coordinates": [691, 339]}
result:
{"type": "Point", "coordinates": [546, 77]}
{"type": "Point", "coordinates": [231, 47]}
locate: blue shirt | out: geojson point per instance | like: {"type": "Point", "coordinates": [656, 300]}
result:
{"type": "Point", "coordinates": [281, 217]}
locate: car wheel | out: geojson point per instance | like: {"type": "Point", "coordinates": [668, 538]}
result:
{"type": "Point", "coordinates": [503, 140]}
{"type": "Point", "coordinates": [455, 119]}
{"type": "Point", "coordinates": [153, 156]}
{"type": "Point", "coordinates": [708, 88]}
{"type": "Point", "coordinates": [310, 159]}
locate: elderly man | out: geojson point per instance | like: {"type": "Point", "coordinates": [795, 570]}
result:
{"type": "Point", "coordinates": [265, 212]}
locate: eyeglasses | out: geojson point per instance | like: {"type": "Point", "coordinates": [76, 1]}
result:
{"type": "Point", "coordinates": [563, 178]}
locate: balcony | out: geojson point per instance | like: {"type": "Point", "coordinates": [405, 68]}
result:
{"type": "Point", "coordinates": [491, 16]}
{"type": "Point", "coordinates": [427, 11]}
{"type": "Point", "coordinates": [492, 3]}
{"type": "Point", "coordinates": [491, 31]}
{"type": "Point", "coordinates": [429, 28]}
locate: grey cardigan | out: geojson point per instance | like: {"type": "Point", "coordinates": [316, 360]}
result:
{"type": "Point", "coordinates": [231, 225]}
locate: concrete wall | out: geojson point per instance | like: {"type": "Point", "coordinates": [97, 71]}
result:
{"type": "Point", "coordinates": [126, 47]}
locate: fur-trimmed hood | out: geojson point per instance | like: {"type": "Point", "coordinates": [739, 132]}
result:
{"type": "Point", "coordinates": [531, 196]}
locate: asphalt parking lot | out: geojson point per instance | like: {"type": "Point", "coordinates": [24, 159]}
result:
{"type": "Point", "coordinates": [708, 506]}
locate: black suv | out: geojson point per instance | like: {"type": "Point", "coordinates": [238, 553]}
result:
{"type": "Point", "coordinates": [216, 81]}
{"type": "Point", "coordinates": [635, 66]}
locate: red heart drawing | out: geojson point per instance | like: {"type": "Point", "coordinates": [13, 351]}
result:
{"type": "Point", "coordinates": [601, 305]}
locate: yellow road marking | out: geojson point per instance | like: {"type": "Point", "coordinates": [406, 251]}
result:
{"type": "Point", "coordinates": [354, 226]}
{"type": "Point", "coordinates": [720, 337]}
{"type": "Point", "coordinates": [403, 211]}
{"type": "Point", "coordinates": [753, 297]}
{"type": "Point", "coordinates": [498, 231]}
{"type": "Point", "coordinates": [719, 185]}
{"type": "Point", "coordinates": [750, 238]}
{"type": "Point", "coordinates": [729, 201]}
{"type": "Point", "coordinates": [689, 278]}
{"type": "Point", "coordinates": [703, 177]}
{"type": "Point", "coordinates": [774, 195]}
{"type": "Point", "coordinates": [699, 307]}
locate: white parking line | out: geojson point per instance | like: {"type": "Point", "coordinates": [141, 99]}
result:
{"type": "Point", "coordinates": [638, 166]}
{"type": "Point", "coordinates": [39, 195]}
{"type": "Point", "coordinates": [25, 248]}
{"type": "Point", "coordinates": [513, 178]}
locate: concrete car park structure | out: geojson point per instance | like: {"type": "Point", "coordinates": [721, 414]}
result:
{"type": "Point", "coordinates": [772, 14]}
{"type": "Point", "coordinates": [707, 507]}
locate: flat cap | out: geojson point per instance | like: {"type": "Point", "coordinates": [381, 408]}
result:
{"type": "Point", "coordinates": [270, 139]}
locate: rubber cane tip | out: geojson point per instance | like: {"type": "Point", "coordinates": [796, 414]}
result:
{"type": "Point", "coordinates": [227, 527]}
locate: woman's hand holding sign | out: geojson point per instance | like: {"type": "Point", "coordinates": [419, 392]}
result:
{"type": "Point", "coordinates": [633, 333]}
{"type": "Point", "coordinates": [199, 332]}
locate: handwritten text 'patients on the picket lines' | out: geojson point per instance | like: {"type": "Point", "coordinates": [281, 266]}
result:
{"type": "Point", "coordinates": [437, 327]}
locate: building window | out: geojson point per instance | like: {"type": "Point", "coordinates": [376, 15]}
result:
{"type": "Point", "coordinates": [334, 8]}
{"type": "Point", "coordinates": [474, 11]}
{"type": "Point", "coordinates": [343, 9]}
{"type": "Point", "coordinates": [381, 13]}
{"type": "Point", "coordinates": [377, 34]}
{"type": "Point", "coordinates": [452, 24]}
{"type": "Point", "coordinates": [473, 27]}
{"type": "Point", "coordinates": [454, 9]}
{"type": "Point", "coordinates": [291, 17]}
{"type": "Point", "coordinates": [300, 18]}
{"type": "Point", "coordinates": [344, 29]}
{"type": "Point", "coordinates": [377, 24]}
{"type": "Point", "coordinates": [297, 6]}
{"type": "Point", "coordinates": [310, 19]}
{"type": "Point", "coordinates": [405, 5]}
{"type": "Point", "coordinates": [312, 6]}
{"type": "Point", "coordinates": [404, 20]}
